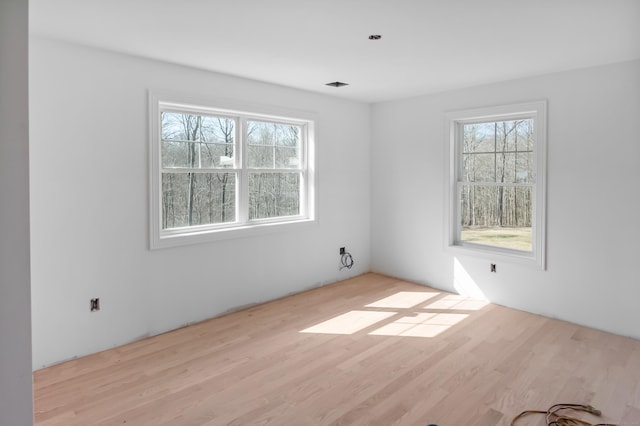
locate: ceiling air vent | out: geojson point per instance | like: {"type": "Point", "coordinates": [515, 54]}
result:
{"type": "Point", "coordinates": [337, 84]}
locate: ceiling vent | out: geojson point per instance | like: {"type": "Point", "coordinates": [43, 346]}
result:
{"type": "Point", "coordinates": [337, 84]}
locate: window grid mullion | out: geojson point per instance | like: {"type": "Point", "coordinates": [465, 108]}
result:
{"type": "Point", "coordinates": [195, 170]}
{"type": "Point", "coordinates": [496, 184]}
{"type": "Point", "coordinates": [243, 175]}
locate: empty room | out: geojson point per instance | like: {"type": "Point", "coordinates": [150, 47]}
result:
{"type": "Point", "coordinates": [357, 212]}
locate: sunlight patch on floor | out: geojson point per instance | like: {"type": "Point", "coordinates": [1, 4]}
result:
{"type": "Point", "coordinates": [457, 302]}
{"type": "Point", "coordinates": [402, 299]}
{"type": "Point", "coordinates": [349, 323]}
{"type": "Point", "coordinates": [405, 313]}
{"type": "Point", "coordinates": [421, 325]}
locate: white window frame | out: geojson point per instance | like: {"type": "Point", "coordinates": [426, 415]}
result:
{"type": "Point", "coordinates": [453, 127]}
{"type": "Point", "coordinates": [241, 226]}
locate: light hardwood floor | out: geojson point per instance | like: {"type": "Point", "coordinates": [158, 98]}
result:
{"type": "Point", "coordinates": [371, 350]}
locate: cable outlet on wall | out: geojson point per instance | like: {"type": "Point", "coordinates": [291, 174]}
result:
{"type": "Point", "coordinates": [342, 251]}
{"type": "Point", "coordinates": [95, 304]}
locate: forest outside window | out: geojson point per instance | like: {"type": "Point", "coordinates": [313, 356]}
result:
{"type": "Point", "coordinates": [496, 185]}
{"type": "Point", "coordinates": [220, 173]}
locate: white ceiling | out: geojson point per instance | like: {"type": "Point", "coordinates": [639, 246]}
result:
{"type": "Point", "coordinates": [427, 45]}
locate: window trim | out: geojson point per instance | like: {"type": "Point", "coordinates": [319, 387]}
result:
{"type": "Point", "coordinates": [453, 122]}
{"type": "Point", "coordinates": [161, 238]}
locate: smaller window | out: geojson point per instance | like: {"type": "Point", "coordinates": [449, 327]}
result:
{"type": "Point", "coordinates": [497, 181]}
{"type": "Point", "coordinates": [220, 173]}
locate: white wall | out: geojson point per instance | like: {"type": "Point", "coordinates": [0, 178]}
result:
{"type": "Point", "coordinates": [593, 202]}
{"type": "Point", "coordinates": [15, 322]}
{"type": "Point", "coordinates": [89, 238]}
{"type": "Point", "coordinates": [89, 192]}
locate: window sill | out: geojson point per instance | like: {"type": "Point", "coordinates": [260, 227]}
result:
{"type": "Point", "coordinates": [497, 254]}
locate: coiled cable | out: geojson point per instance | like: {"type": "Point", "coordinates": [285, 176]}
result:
{"type": "Point", "coordinates": [346, 260]}
{"type": "Point", "coordinates": [554, 418]}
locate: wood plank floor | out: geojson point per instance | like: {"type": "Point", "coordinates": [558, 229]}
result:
{"type": "Point", "coordinates": [371, 350]}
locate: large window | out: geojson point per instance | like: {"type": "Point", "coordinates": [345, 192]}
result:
{"type": "Point", "coordinates": [220, 173]}
{"type": "Point", "coordinates": [496, 181]}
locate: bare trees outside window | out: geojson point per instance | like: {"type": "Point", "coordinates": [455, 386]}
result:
{"type": "Point", "coordinates": [497, 170]}
{"type": "Point", "coordinates": [497, 176]}
{"type": "Point", "coordinates": [216, 170]}
{"type": "Point", "coordinates": [194, 189]}
{"type": "Point", "coordinates": [274, 160]}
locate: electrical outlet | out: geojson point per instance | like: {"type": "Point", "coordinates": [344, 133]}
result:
{"type": "Point", "coordinates": [95, 304]}
{"type": "Point", "coordinates": [493, 267]}
{"type": "Point", "coordinates": [342, 251]}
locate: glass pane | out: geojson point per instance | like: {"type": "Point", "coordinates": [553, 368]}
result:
{"type": "Point", "coordinates": [190, 199]}
{"type": "Point", "coordinates": [524, 167]}
{"type": "Point", "coordinates": [197, 127]}
{"type": "Point", "coordinates": [273, 145]}
{"type": "Point", "coordinates": [525, 135]}
{"type": "Point", "coordinates": [260, 133]}
{"type": "Point", "coordinates": [217, 129]}
{"type": "Point", "coordinates": [214, 155]}
{"type": "Point", "coordinates": [478, 167]}
{"type": "Point", "coordinates": [261, 156]}
{"type": "Point", "coordinates": [479, 137]}
{"type": "Point", "coordinates": [179, 154]}
{"type": "Point", "coordinates": [287, 157]}
{"type": "Point", "coordinates": [506, 167]}
{"type": "Point", "coordinates": [506, 136]}
{"type": "Point", "coordinates": [274, 195]}
{"type": "Point", "coordinates": [197, 141]}
{"type": "Point", "coordinates": [196, 155]}
{"type": "Point", "coordinates": [498, 152]}
{"type": "Point", "coordinates": [496, 216]}
{"type": "Point", "coordinates": [176, 126]}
